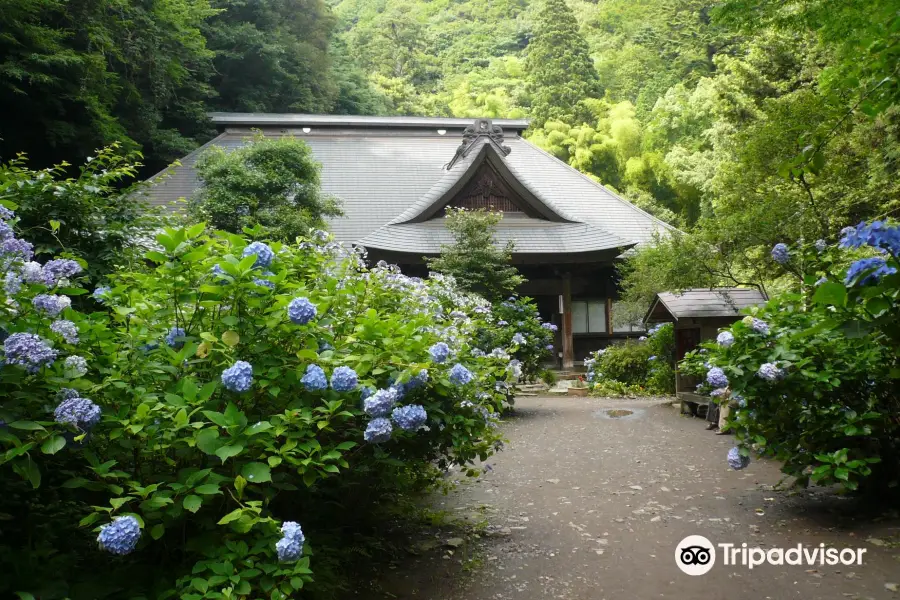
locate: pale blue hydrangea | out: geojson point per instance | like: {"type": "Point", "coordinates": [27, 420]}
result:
{"type": "Point", "coordinates": [550, 326]}
{"type": "Point", "coordinates": [101, 293]}
{"type": "Point", "coordinates": [821, 245]}
{"type": "Point", "coordinates": [50, 304]}
{"type": "Point", "coordinates": [366, 392]}
{"type": "Point", "coordinates": [380, 403]}
{"type": "Point", "coordinates": [643, 338]}
{"type": "Point", "coordinates": [820, 281]}
{"type": "Point", "coordinates": [549, 347]}
{"type": "Point", "coordinates": [290, 547]}
{"type": "Point", "coordinates": [652, 358]}
{"type": "Point", "coordinates": [760, 326]}
{"type": "Point", "coordinates": [15, 249]}
{"type": "Point", "coordinates": [314, 379]}
{"type": "Point", "coordinates": [264, 254]}
{"type": "Point", "coordinates": [33, 272]}
{"type": "Point", "coordinates": [741, 401]}
{"type": "Point", "coordinates": [301, 311]}
{"type": "Point", "coordinates": [460, 375]}
{"type": "Point", "coordinates": [737, 461]}
{"type": "Point", "coordinates": [409, 418]}
{"type": "Point", "coordinates": [28, 350]}
{"type": "Point", "coordinates": [518, 339]}
{"type": "Point", "coordinates": [716, 377]}
{"type": "Point", "coordinates": [717, 393]}
{"type": "Point", "coordinates": [379, 430]}
{"type": "Point", "coordinates": [725, 339]}
{"type": "Point", "coordinates": [264, 283]}
{"type": "Point", "coordinates": [238, 377]}
{"type": "Point", "coordinates": [12, 283]}
{"type": "Point", "coordinates": [343, 379]}
{"type": "Point", "coordinates": [780, 254]}
{"type": "Point", "coordinates": [6, 214]}
{"type": "Point", "coordinates": [502, 323]}
{"type": "Point", "coordinates": [66, 329]}
{"type": "Point", "coordinates": [76, 366]}
{"type": "Point", "coordinates": [439, 352]}
{"type": "Point", "coordinates": [60, 268]}
{"type": "Point", "coordinates": [515, 368]}
{"type": "Point", "coordinates": [499, 353]}
{"type": "Point", "coordinates": [80, 412]}
{"type": "Point", "coordinates": [770, 372]}
{"type": "Point", "coordinates": [172, 338]}
{"type": "Point", "coordinates": [121, 536]}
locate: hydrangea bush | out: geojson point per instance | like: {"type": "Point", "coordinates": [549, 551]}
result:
{"type": "Point", "coordinates": [518, 326]}
{"type": "Point", "coordinates": [208, 416]}
{"type": "Point", "coordinates": [811, 377]}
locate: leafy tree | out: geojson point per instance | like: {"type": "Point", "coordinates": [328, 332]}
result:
{"type": "Point", "coordinates": [558, 66]}
{"type": "Point", "coordinates": [475, 260]}
{"type": "Point", "coordinates": [272, 56]}
{"type": "Point", "coordinates": [269, 182]}
{"type": "Point", "coordinates": [97, 216]}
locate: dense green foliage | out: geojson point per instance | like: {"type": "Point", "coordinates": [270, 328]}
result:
{"type": "Point", "coordinates": [210, 464]}
{"type": "Point", "coordinates": [517, 325]}
{"type": "Point", "coordinates": [634, 367]}
{"type": "Point", "coordinates": [475, 260]}
{"type": "Point", "coordinates": [272, 183]}
{"type": "Point", "coordinates": [89, 217]}
{"type": "Point", "coordinates": [812, 376]}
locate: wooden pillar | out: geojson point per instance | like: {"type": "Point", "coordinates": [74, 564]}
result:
{"type": "Point", "coordinates": [568, 345]}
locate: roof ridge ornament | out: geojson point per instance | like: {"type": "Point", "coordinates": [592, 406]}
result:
{"type": "Point", "coordinates": [480, 128]}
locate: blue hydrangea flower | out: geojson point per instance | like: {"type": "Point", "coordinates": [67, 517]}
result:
{"type": "Point", "coordinates": [121, 536]}
{"type": "Point", "coordinates": [652, 358]}
{"type": "Point", "coordinates": [741, 401]}
{"type": "Point", "coordinates": [718, 392]}
{"type": "Point", "coordinates": [770, 372]}
{"type": "Point", "coordinates": [379, 430]}
{"type": "Point", "coordinates": [28, 350]}
{"type": "Point", "coordinates": [380, 403]}
{"type": "Point", "coordinates": [6, 214]}
{"type": "Point", "coordinates": [820, 281]}
{"type": "Point", "coordinates": [366, 392]}
{"type": "Point", "coordinates": [290, 547]}
{"type": "Point", "coordinates": [518, 339]}
{"type": "Point", "coordinates": [821, 245]}
{"type": "Point", "coordinates": [314, 379]}
{"type": "Point", "coordinates": [50, 304]}
{"type": "Point", "coordinates": [66, 329]}
{"type": "Point", "coordinates": [101, 293]}
{"type": "Point", "coordinates": [264, 254]}
{"type": "Point", "coordinates": [725, 339]}
{"type": "Point", "coordinates": [502, 323]}
{"type": "Point", "coordinates": [264, 283]}
{"type": "Point", "coordinates": [12, 283]}
{"type": "Point", "coordinates": [80, 412]}
{"type": "Point", "coordinates": [871, 269]}
{"type": "Point", "coordinates": [15, 249]}
{"type": "Point", "coordinates": [409, 418]}
{"type": "Point", "coordinates": [76, 365]}
{"type": "Point", "coordinates": [515, 368]}
{"type": "Point", "coordinates": [173, 335]}
{"type": "Point", "coordinates": [238, 377]}
{"type": "Point", "coordinates": [60, 268]}
{"type": "Point", "coordinates": [760, 326]}
{"type": "Point", "coordinates": [301, 311]}
{"type": "Point", "coordinates": [877, 234]}
{"type": "Point", "coordinates": [549, 347]}
{"type": "Point", "coordinates": [736, 461]}
{"type": "Point", "coordinates": [439, 352]}
{"type": "Point", "coordinates": [460, 375]}
{"type": "Point", "coordinates": [780, 254]}
{"type": "Point", "coordinates": [550, 326]}
{"type": "Point", "coordinates": [416, 381]}
{"type": "Point", "coordinates": [716, 377]}
{"type": "Point", "coordinates": [343, 379]}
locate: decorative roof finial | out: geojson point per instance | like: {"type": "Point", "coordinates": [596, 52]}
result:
{"type": "Point", "coordinates": [481, 127]}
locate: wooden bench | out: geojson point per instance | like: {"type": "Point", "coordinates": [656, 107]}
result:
{"type": "Point", "coordinates": [693, 403]}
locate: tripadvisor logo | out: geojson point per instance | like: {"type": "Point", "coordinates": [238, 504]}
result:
{"type": "Point", "coordinates": [696, 555]}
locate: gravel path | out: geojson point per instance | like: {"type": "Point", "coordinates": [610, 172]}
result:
{"type": "Point", "coordinates": [584, 506]}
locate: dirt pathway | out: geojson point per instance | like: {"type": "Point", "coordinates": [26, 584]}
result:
{"type": "Point", "coordinates": [584, 506]}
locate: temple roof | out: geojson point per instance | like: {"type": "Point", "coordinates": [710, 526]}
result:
{"type": "Point", "coordinates": [395, 175]}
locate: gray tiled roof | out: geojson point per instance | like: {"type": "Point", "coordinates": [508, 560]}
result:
{"type": "Point", "coordinates": [386, 175]}
{"type": "Point", "coordinates": [717, 302]}
{"type": "Point", "coordinates": [354, 121]}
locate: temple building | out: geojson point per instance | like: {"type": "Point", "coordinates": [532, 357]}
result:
{"type": "Point", "coordinates": [395, 176]}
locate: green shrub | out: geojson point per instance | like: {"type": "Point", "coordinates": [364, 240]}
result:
{"type": "Point", "coordinates": [627, 362]}
{"type": "Point", "coordinates": [813, 376]}
{"type": "Point", "coordinates": [273, 183]}
{"type": "Point", "coordinates": [549, 377]}
{"type": "Point", "coordinates": [210, 472]}
{"type": "Point", "coordinates": [514, 317]}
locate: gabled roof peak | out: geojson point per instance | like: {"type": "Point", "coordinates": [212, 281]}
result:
{"type": "Point", "coordinates": [481, 128]}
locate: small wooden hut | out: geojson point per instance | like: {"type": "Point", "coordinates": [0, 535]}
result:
{"type": "Point", "coordinates": [698, 314]}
